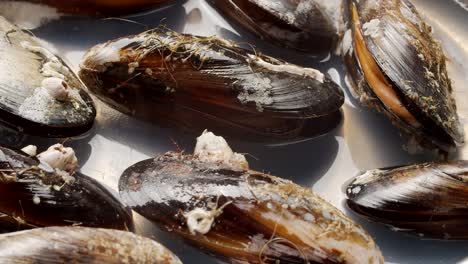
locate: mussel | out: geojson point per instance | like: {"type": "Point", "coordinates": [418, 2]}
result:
{"type": "Point", "coordinates": [81, 245]}
{"type": "Point", "coordinates": [429, 199]}
{"type": "Point", "coordinates": [49, 193]}
{"type": "Point", "coordinates": [197, 82]}
{"type": "Point", "coordinates": [82, 7]}
{"type": "Point", "coordinates": [212, 200]}
{"type": "Point", "coordinates": [307, 25]}
{"type": "Point", "coordinates": [399, 69]}
{"type": "Point", "coordinates": [39, 93]}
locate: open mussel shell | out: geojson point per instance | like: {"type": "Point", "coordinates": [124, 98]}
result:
{"type": "Point", "coordinates": [205, 82]}
{"type": "Point", "coordinates": [39, 94]}
{"type": "Point", "coordinates": [87, 7]}
{"type": "Point", "coordinates": [35, 195]}
{"type": "Point", "coordinates": [81, 245]}
{"type": "Point", "coordinates": [243, 215]}
{"type": "Point", "coordinates": [400, 69]}
{"type": "Point", "coordinates": [429, 199]}
{"type": "Point", "coordinates": [307, 25]}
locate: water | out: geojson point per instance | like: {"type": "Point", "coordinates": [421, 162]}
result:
{"type": "Point", "coordinates": [364, 140]}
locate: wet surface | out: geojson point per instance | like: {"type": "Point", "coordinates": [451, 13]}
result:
{"type": "Point", "coordinates": [364, 140]}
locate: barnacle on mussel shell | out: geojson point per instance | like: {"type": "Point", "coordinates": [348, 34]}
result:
{"type": "Point", "coordinates": [307, 25]}
{"type": "Point", "coordinates": [428, 199]}
{"type": "Point", "coordinates": [400, 69]}
{"type": "Point", "coordinates": [83, 7]}
{"type": "Point", "coordinates": [214, 201]}
{"type": "Point", "coordinates": [37, 194]}
{"type": "Point", "coordinates": [197, 82]}
{"type": "Point", "coordinates": [81, 245]}
{"type": "Point", "coordinates": [39, 94]}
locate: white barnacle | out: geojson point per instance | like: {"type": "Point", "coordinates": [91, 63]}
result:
{"type": "Point", "coordinates": [356, 189]}
{"type": "Point", "coordinates": [59, 157]}
{"type": "Point", "coordinates": [200, 220]}
{"type": "Point", "coordinates": [214, 149]}
{"type": "Point", "coordinates": [52, 66]}
{"type": "Point", "coordinates": [309, 217]}
{"type": "Point", "coordinates": [148, 71]}
{"type": "Point", "coordinates": [66, 177]}
{"type": "Point", "coordinates": [56, 87]}
{"type": "Point", "coordinates": [372, 28]}
{"type": "Point", "coordinates": [288, 68]}
{"type": "Point", "coordinates": [132, 66]}
{"type": "Point", "coordinates": [31, 150]}
{"type": "Point", "coordinates": [38, 50]}
{"type": "Point", "coordinates": [36, 199]}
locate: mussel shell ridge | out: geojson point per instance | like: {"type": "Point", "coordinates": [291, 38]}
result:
{"type": "Point", "coordinates": [25, 104]}
{"type": "Point", "coordinates": [81, 245]}
{"type": "Point", "coordinates": [34, 195]}
{"type": "Point", "coordinates": [196, 83]}
{"type": "Point", "coordinates": [414, 65]}
{"type": "Point", "coordinates": [429, 199]}
{"type": "Point", "coordinates": [257, 218]}
{"type": "Point", "coordinates": [307, 25]}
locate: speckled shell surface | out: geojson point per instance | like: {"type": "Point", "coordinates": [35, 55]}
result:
{"type": "Point", "coordinates": [307, 25]}
{"type": "Point", "coordinates": [166, 77]}
{"type": "Point", "coordinates": [429, 199]}
{"type": "Point", "coordinates": [403, 46]}
{"type": "Point", "coordinates": [263, 218]}
{"type": "Point", "coordinates": [34, 195]}
{"type": "Point", "coordinates": [22, 106]}
{"type": "Point", "coordinates": [81, 245]}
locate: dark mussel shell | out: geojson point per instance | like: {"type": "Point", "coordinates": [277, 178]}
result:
{"type": "Point", "coordinates": [243, 215]}
{"type": "Point", "coordinates": [96, 7]}
{"type": "Point", "coordinates": [429, 199]}
{"type": "Point", "coordinates": [400, 69]}
{"type": "Point", "coordinates": [198, 82]}
{"type": "Point", "coordinates": [307, 25]}
{"type": "Point", "coordinates": [35, 195]}
{"type": "Point", "coordinates": [26, 101]}
{"type": "Point", "coordinates": [10, 137]}
{"type": "Point", "coordinates": [81, 245]}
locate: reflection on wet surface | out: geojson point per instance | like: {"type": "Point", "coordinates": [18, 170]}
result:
{"type": "Point", "coordinates": [364, 140]}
